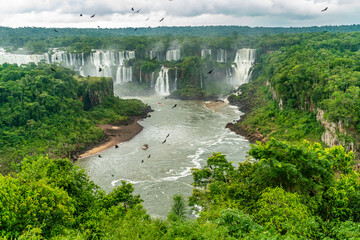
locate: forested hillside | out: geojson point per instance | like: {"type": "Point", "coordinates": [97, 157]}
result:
{"type": "Point", "coordinates": [317, 79]}
{"type": "Point", "coordinates": [45, 110]}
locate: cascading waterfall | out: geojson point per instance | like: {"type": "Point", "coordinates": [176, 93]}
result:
{"type": "Point", "coordinates": [111, 63]}
{"type": "Point", "coordinates": [244, 60]}
{"type": "Point", "coordinates": [20, 58]}
{"type": "Point", "coordinates": [205, 52]}
{"type": "Point", "coordinates": [152, 80]}
{"type": "Point", "coordinates": [221, 55]}
{"type": "Point", "coordinates": [123, 75]}
{"type": "Point", "coordinates": [162, 82]}
{"type": "Point", "coordinates": [175, 82]}
{"type": "Point", "coordinates": [173, 55]}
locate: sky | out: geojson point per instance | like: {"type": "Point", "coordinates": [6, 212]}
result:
{"type": "Point", "coordinates": [119, 13]}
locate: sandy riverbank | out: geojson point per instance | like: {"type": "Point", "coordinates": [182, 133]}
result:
{"type": "Point", "coordinates": [215, 106]}
{"type": "Point", "coordinates": [116, 134]}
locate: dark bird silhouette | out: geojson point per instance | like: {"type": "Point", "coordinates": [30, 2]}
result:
{"type": "Point", "coordinates": [100, 69]}
{"type": "Point", "coordinates": [56, 30]}
{"type": "Point", "coordinates": [56, 58]}
{"type": "Point", "coordinates": [92, 16]}
{"type": "Point", "coordinates": [112, 175]}
{"type": "Point", "coordinates": [147, 19]}
{"type": "Point", "coordinates": [174, 105]}
{"type": "Point", "coordinates": [210, 71]}
{"type": "Point", "coordinates": [98, 26]}
{"type": "Point", "coordinates": [324, 9]}
{"type": "Point", "coordinates": [161, 20]}
{"type": "Point", "coordinates": [153, 58]}
{"type": "Point", "coordinates": [210, 167]}
{"type": "Point", "coordinates": [142, 161]}
{"type": "Point", "coordinates": [99, 156]}
{"type": "Point", "coordinates": [149, 156]}
{"type": "Point", "coordinates": [80, 14]}
{"type": "Point", "coordinates": [138, 10]}
{"type": "Point", "coordinates": [164, 141]}
{"type": "Point", "coordinates": [132, 9]}
{"type": "Point", "coordinates": [135, 29]}
{"type": "Point", "coordinates": [168, 135]}
{"type": "Point", "coordinates": [53, 69]}
{"type": "Point", "coordinates": [116, 146]}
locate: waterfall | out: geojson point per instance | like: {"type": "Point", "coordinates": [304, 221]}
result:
{"type": "Point", "coordinates": [140, 76]}
{"type": "Point", "coordinates": [20, 58]}
{"type": "Point", "coordinates": [244, 60]}
{"type": "Point", "coordinates": [173, 55]}
{"type": "Point", "coordinates": [205, 52]}
{"type": "Point", "coordinates": [162, 82]}
{"type": "Point", "coordinates": [112, 63]}
{"type": "Point", "coordinates": [152, 80]}
{"type": "Point", "coordinates": [175, 83]}
{"type": "Point", "coordinates": [221, 55]}
{"type": "Point", "coordinates": [158, 54]}
{"type": "Point", "coordinates": [123, 75]}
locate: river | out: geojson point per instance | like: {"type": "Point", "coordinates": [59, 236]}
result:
{"type": "Point", "coordinates": [195, 132]}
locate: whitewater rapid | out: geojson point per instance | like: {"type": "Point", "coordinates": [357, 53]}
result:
{"type": "Point", "coordinates": [195, 132]}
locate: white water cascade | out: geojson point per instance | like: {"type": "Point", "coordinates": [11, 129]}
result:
{"type": "Point", "coordinates": [221, 55]}
{"type": "Point", "coordinates": [19, 58]}
{"type": "Point", "coordinates": [244, 60]}
{"type": "Point", "coordinates": [162, 82]}
{"type": "Point", "coordinates": [205, 52]}
{"type": "Point", "coordinates": [175, 82]}
{"type": "Point", "coordinates": [98, 64]}
{"type": "Point", "coordinates": [173, 55]}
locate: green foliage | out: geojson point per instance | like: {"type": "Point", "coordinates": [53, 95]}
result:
{"type": "Point", "coordinates": [51, 195]}
{"type": "Point", "coordinates": [283, 211]}
{"type": "Point", "coordinates": [35, 101]}
{"type": "Point", "coordinates": [178, 209]}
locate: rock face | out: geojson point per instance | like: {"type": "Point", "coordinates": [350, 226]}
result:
{"type": "Point", "coordinates": [95, 90]}
{"type": "Point", "coordinates": [330, 136]}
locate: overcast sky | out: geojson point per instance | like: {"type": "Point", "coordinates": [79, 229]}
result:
{"type": "Point", "coordinates": [118, 13]}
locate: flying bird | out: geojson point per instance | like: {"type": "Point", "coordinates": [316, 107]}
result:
{"type": "Point", "coordinates": [138, 10]}
{"type": "Point", "coordinates": [135, 29]}
{"type": "Point", "coordinates": [92, 16]}
{"type": "Point", "coordinates": [161, 20]}
{"type": "Point", "coordinates": [53, 69]}
{"type": "Point", "coordinates": [153, 58]}
{"type": "Point", "coordinates": [174, 105]}
{"type": "Point", "coordinates": [116, 146]}
{"type": "Point", "coordinates": [56, 30]}
{"type": "Point", "coordinates": [147, 19]}
{"type": "Point", "coordinates": [149, 155]}
{"type": "Point", "coordinates": [99, 156]}
{"type": "Point", "coordinates": [168, 135]}
{"type": "Point", "coordinates": [112, 175]}
{"type": "Point", "coordinates": [56, 58]}
{"type": "Point", "coordinates": [80, 14]}
{"type": "Point", "coordinates": [100, 69]}
{"type": "Point", "coordinates": [324, 9]}
{"type": "Point", "coordinates": [98, 26]}
{"type": "Point", "coordinates": [164, 141]}
{"type": "Point", "coordinates": [210, 71]}
{"type": "Point", "coordinates": [132, 9]}
{"type": "Point", "coordinates": [142, 161]}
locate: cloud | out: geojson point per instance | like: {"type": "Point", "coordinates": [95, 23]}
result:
{"type": "Point", "coordinates": [112, 13]}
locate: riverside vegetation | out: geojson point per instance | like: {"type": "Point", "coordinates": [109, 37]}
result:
{"type": "Point", "coordinates": [293, 189]}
